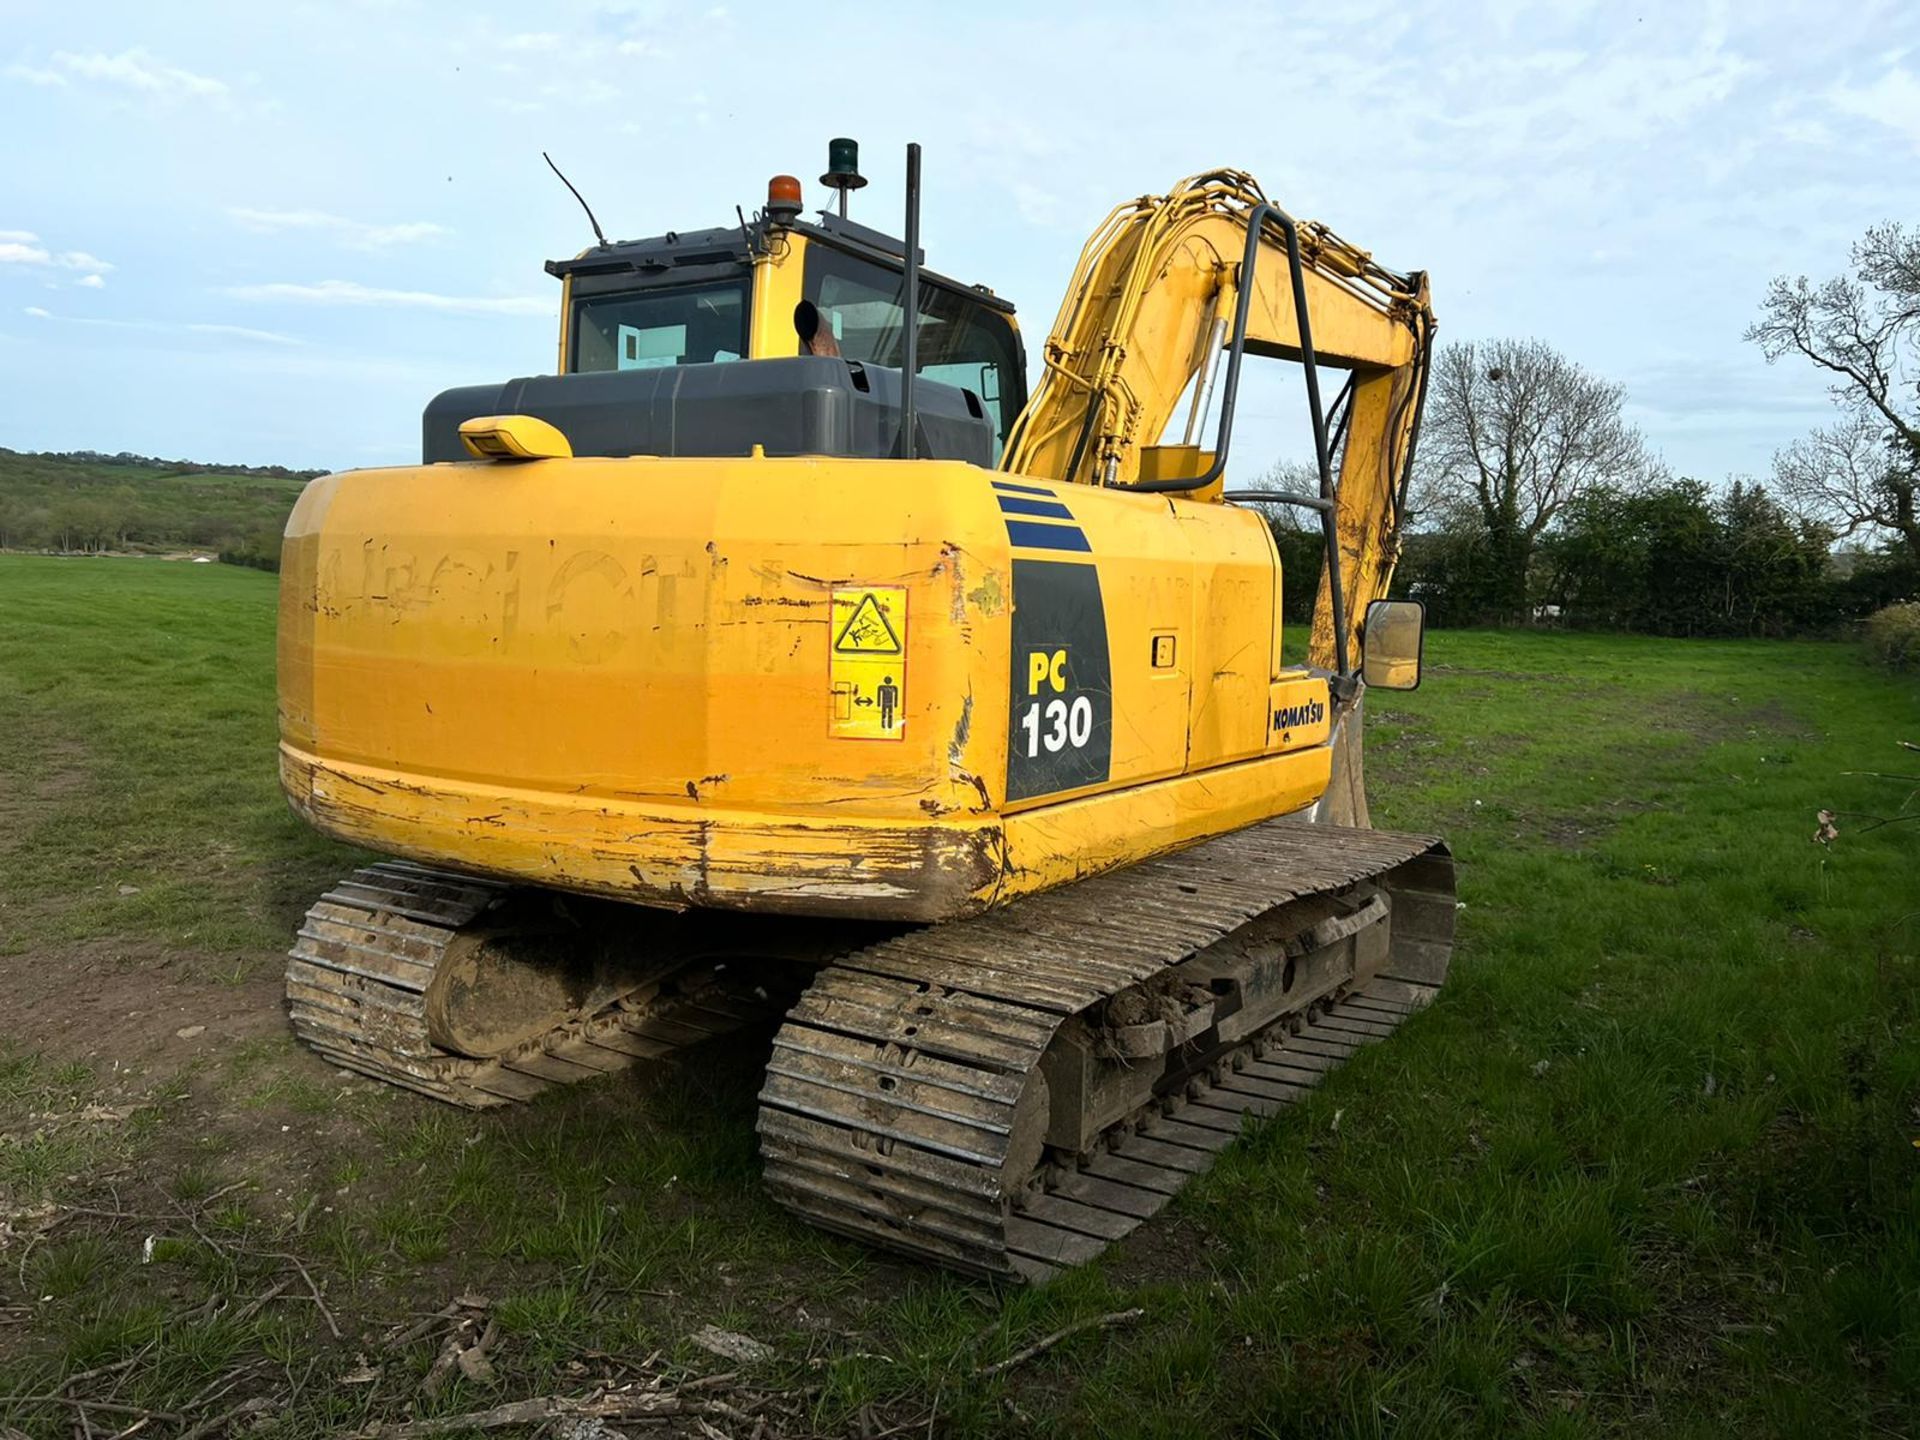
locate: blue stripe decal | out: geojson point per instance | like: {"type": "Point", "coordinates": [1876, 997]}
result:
{"type": "Point", "coordinates": [1047, 537]}
{"type": "Point", "coordinates": [1021, 489]}
{"type": "Point", "coordinates": [1052, 509]}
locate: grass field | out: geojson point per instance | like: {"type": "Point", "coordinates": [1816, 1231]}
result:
{"type": "Point", "coordinates": [1651, 1165]}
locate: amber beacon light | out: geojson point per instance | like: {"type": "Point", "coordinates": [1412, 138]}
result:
{"type": "Point", "coordinates": [783, 197]}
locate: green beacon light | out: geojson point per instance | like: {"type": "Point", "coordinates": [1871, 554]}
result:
{"type": "Point", "coordinates": [843, 169]}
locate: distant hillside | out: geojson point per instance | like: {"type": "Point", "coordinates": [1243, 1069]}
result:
{"type": "Point", "coordinates": [86, 503]}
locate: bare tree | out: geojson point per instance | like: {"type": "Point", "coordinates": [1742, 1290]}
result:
{"type": "Point", "coordinates": [1864, 330]}
{"type": "Point", "coordinates": [1297, 477]}
{"type": "Point", "coordinates": [1514, 432]}
{"type": "Point", "coordinates": [1849, 477]}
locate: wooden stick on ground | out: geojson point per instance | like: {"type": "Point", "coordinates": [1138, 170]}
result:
{"type": "Point", "coordinates": [256, 1406]}
{"type": "Point", "coordinates": [312, 1289]}
{"type": "Point", "coordinates": [253, 1307]}
{"type": "Point", "coordinates": [102, 1405]}
{"type": "Point", "coordinates": [628, 1405]}
{"type": "Point", "coordinates": [1098, 1322]}
{"type": "Point", "coordinates": [99, 1370]}
{"type": "Point", "coordinates": [427, 1325]}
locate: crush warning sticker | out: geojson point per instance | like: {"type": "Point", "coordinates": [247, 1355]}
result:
{"type": "Point", "coordinates": [867, 666]}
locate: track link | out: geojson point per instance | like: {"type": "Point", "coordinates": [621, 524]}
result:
{"type": "Point", "coordinates": [906, 1092]}
{"type": "Point", "coordinates": [368, 950]}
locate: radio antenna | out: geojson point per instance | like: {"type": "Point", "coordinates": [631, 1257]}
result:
{"type": "Point", "coordinates": [598, 233]}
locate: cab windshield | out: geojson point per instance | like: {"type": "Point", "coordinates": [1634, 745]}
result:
{"type": "Point", "coordinates": [647, 329]}
{"type": "Point", "coordinates": [961, 341]}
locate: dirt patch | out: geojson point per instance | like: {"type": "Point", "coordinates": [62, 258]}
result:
{"type": "Point", "coordinates": [148, 1025]}
{"type": "Point", "coordinates": [120, 1007]}
{"type": "Point", "coordinates": [1168, 1250]}
{"type": "Point", "coordinates": [1567, 834]}
{"type": "Point", "coordinates": [1713, 718]}
{"type": "Point", "coordinates": [196, 1084]}
{"type": "Point", "coordinates": [1577, 832]}
{"type": "Point", "coordinates": [1774, 718]}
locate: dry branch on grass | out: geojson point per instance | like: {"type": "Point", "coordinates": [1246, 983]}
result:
{"type": "Point", "coordinates": [106, 1407]}
{"type": "Point", "coordinates": [627, 1403]}
{"type": "Point", "coordinates": [227, 1249]}
{"type": "Point", "coordinates": [215, 1424]}
{"type": "Point", "coordinates": [464, 1352]}
{"type": "Point", "coordinates": [1828, 832]}
{"type": "Point", "coordinates": [1065, 1332]}
{"type": "Point", "coordinates": [198, 1424]}
{"type": "Point", "coordinates": [452, 1311]}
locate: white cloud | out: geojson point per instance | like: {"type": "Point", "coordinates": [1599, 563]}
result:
{"type": "Point", "coordinates": [622, 33]}
{"type": "Point", "coordinates": [23, 247]}
{"type": "Point", "coordinates": [1893, 100]}
{"type": "Point", "coordinates": [1563, 104]}
{"type": "Point", "coordinates": [134, 69]}
{"type": "Point", "coordinates": [92, 282]}
{"type": "Point", "coordinates": [1815, 133]}
{"type": "Point", "coordinates": [31, 76]}
{"type": "Point", "coordinates": [355, 234]}
{"type": "Point", "coordinates": [243, 332]}
{"type": "Point", "coordinates": [351, 292]}
{"type": "Point", "coordinates": [165, 327]}
{"type": "Point", "coordinates": [593, 92]}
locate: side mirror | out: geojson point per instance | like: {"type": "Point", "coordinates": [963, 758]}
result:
{"type": "Point", "coordinates": [1391, 644]}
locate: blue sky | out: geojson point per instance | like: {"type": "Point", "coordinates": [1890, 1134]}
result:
{"type": "Point", "coordinates": [270, 233]}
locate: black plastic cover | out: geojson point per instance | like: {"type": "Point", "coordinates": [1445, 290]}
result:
{"type": "Point", "coordinates": [810, 405]}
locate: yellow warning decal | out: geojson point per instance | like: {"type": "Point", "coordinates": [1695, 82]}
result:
{"type": "Point", "coordinates": [867, 666]}
{"type": "Point", "coordinates": [867, 630]}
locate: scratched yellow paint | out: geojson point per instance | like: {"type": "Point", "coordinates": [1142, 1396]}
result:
{"type": "Point", "coordinates": [609, 675]}
{"type": "Point", "coordinates": [661, 679]}
{"type": "Point", "coordinates": [867, 668]}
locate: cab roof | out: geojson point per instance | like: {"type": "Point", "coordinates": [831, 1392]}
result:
{"type": "Point", "coordinates": [738, 245]}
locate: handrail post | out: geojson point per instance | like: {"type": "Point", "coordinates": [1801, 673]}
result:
{"type": "Point", "coordinates": [910, 340]}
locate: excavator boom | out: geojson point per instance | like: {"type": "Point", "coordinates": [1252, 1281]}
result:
{"type": "Point", "coordinates": [1167, 286]}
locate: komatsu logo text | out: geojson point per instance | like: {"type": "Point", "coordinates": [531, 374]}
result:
{"type": "Point", "coordinates": [1295, 717]}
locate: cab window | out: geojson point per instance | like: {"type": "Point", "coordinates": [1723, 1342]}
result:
{"type": "Point", "coordinates": [961, 342]}
{"type": "Point", "coordinates": [646, 329]}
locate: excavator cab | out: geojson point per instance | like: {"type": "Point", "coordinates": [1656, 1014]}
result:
{"type": "Point", "coordinates": [691, 344]}
{"type": "Point", "coordinates": [725, 295]}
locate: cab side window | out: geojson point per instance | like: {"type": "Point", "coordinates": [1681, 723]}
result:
{"type": "Point", "coordinates": [961, 342]}
{"type": "Point", "coordinates": [646, 329]}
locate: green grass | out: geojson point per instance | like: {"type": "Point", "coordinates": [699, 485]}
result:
{"type": "Point", "coordinates": [1648, 1167]}
{"type": "Point", "coordinates": [136, 751]}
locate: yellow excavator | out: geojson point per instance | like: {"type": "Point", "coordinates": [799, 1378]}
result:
{"type": "Point", "coordinates": [781, 653]}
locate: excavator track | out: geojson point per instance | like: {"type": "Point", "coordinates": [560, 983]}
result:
{"type": "Point", "coordinates": [909, 1099]}
{"type": "Point", "coordinates": [1006, 1095]}
{"type": "Point", "coordinates": [367, 955]}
